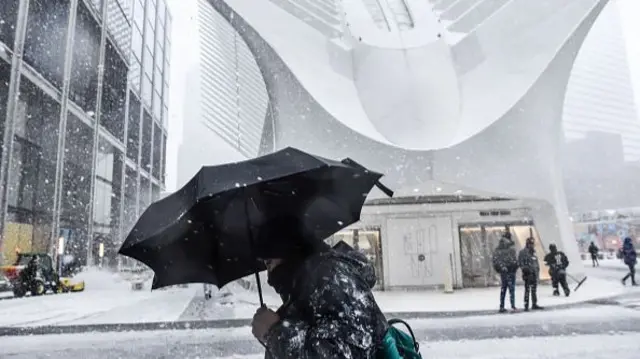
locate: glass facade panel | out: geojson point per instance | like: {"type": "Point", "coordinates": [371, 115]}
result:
{"type": "Point", "coordinates": [130, 190]}
{"type": "Point", "coordinates": [149, 35]}
{"type": "Point", "coordinates": [32, 174]}
{"type": "Point", "coordinates": [5, 77]}
{"type": "Point", "coordinates": [136, 42]}
{"type": "Point", "coordinates": [147, 127]}
{"type": "Point", "coordinates": [86, 57]}
{"type": "Point", "coordinates": [114, 92]}
{"type": "Point", "coordinates": [157, 105]}
{"type": "Point", "coordinates": [46, 38]}
{"type": "Point", "coordinates": [138, 13]}
{"type": "Point", "coordinates": [164, 158]}
{"type": "Point", "coordinates": [134, 73]}
{"type": "Point", "coordinates": [76, 184]}
{"type": "Point", "coordinates": [107, 197]}
{"type": "Point", "coordinates": [133, 131]}
{"type": "Point", "coordinates": [8, 16]}
{"type": "Point", "coordinates": [157, 151]}
{"type": "Point", "coordinates": [147, 90]}
{"type": "Point", "coordinates": [118, 25]}
{"type": "Point", "coordinates": [145, 193]}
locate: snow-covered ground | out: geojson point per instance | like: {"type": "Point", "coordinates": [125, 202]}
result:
{"type": "Point", "coordinates": [486, 342]}
{"type": "Point", "coordinates": [107, 299]}
{"type": "Point", "coordinates": [613, 263]}
{"type": "Point", "coordinates": [241, 303]}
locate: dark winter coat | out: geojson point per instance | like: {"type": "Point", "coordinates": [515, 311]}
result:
{"type": "Point", "coordinates": [593, 249]}
{"type": "Point", "coordinates": [556, 261]}
{"type": "Point", "coordinates": [528, 262]}
{"type": "Point", "coordinates": [629, 254]}
{"type": "Point", "coordinates": [504, 257]}
{"type": "Point", "coordinates": [331, 313]}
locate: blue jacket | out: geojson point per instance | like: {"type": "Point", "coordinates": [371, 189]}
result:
{"type": "Point", "coordinates": [629, 254]}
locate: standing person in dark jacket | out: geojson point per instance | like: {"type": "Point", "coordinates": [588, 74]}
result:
{"type": "Point", "coordinates": [528, 262]}
{"type": "Point", "coordinates": [505, 262]}
{"type": "Point", "coordinates": [629, 256]}
{"type": "Point", "coordinates": [329, 310]}
{"type": "Point", "coordinates": [557, 262]}
{"type": "Point", "coordinates": [593, 250]}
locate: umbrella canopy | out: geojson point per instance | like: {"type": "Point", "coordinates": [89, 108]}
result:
{"type": "Point", "coordinates": [214, 229]}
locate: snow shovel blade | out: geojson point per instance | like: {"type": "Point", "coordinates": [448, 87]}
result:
{"type": "Point", "coordinates": [580, 283]}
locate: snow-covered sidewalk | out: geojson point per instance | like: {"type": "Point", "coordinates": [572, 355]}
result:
{"type": "Point", "coordinates": [106, 299]}
{"type": "Point", "coordinates": [616, 264]}
{"type": "Point", "coordinates": [240, 303]}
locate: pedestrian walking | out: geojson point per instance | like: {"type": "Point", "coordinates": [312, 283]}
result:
{"type": "Point", "coordinates": [630, 258]}
{"type": "Point", "coordinates": [593, 250]}
{"type": "Point", "coordinates": [329, 310]}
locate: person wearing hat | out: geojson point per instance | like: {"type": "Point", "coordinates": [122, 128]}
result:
{"type": "Point", "coordinates": [528, 262]}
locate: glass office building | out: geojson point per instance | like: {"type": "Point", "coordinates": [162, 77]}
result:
{"type": "Point", "coordinates": [82, 120]}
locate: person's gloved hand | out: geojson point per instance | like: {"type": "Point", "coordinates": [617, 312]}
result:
{"type": "Point", "coordinates": [263, 320]}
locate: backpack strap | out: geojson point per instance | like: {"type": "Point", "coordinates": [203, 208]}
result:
{"type": "Point", "coordinates": [400, 321]}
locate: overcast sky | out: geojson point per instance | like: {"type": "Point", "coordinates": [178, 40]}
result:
{"type": "Point", "coordinates": [184, 55]}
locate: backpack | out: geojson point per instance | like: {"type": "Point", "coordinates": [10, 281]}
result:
{"type": "Point", "coordinates": [397, 344]}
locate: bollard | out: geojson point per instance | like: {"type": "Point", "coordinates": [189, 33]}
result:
{"type": "Point", "coordinates": [448, 277]}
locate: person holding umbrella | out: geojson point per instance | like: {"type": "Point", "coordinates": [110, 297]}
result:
{"type": "Point", "coordinates": [328, 310]}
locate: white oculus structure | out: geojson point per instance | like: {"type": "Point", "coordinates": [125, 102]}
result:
{"type": "Point", "coordinates": [458, 102]}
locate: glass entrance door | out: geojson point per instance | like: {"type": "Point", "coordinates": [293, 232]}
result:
{"type": "Point", "coordinates": [477, 244]}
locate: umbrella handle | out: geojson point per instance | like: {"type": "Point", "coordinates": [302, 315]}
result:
{"type": "Point", "coordinates": [252, 246]}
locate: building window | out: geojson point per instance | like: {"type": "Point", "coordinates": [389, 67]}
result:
{"type": "Point", "coordinates": [118, 25]}
{"type": "Point", "coordinates": [148, 63]}
{"type": "Point", "coordinates": [76, 180]}
{"type": "Point", "coordinates": [136, 42]}
{"type": "Point", "coordinates": [159, 54]}
{"type": "Point", "coordinates": [145, 193]}
{"type": "Point", "coordinates": [147, 127]}
{"type": "Point", "coordinates": [130, 191]}
{"type": "Point", "coordinates": [161, 12]}
{"type": "Point", "coordinates": [32, 173]}
{"type": "Point", "coordinates": [164, 158]}
{"type": "Point", "coordinates": [157, 151]}
{"type": "Point", "coordinates": [147, 89]}
{"type": "Point", "coordinates": [86, 56]}
{"type": "Point", "coordinates": [157, 105]}
{"type": "Point", "coordinates": [114, 92]}
{"type": "Point", "coordinates": [138, 13]}
{"type": "Point", "coordinates": [134, 73]}
{"type": "Point", "coordinates": [8, 17]}
{"type": "Point", "coordinates": [5, 76]}
{"type": "Point", "coordinates": [133, 130]}
{"type": "Point", "coordinates": [36, 130]}
{"type": "Point", "coordinates": [45, 41]}
{"type": "Point", "coordinates": [155, 193]}
{"type": "Point", "coordinates": [149, 35]}
{"type": "Point", "coordinates": [107, 197]}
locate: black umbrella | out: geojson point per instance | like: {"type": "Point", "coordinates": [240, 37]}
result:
{"type": "Point", "coordinates": [214, 229]}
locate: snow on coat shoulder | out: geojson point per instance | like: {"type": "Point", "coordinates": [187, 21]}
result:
{"type": "Point", "coordinates": [333, 313]}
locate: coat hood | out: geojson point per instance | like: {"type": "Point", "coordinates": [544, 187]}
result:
{"type": "Point", "coordinates": [358, 262]}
